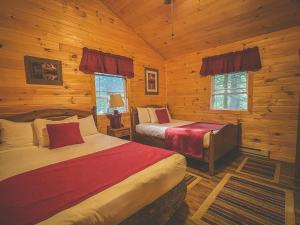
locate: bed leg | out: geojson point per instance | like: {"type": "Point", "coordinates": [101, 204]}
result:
{"type": "Point", "coordinates": [211, 167]}
{"type": "Point", "coordinates": [211, 161]}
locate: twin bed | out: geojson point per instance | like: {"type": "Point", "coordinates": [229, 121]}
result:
{"type": "Point", "coordinates": [149, 196]}
{"type": "Point", "coordinates": [216, 143]}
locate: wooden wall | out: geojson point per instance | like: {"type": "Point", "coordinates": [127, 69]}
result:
{"type": "Point", "coordinates": [58, 29]}
{"type": "Point", "coordinates": [272, 122]}
{"type": "Point", "coordinates": [204, 24]}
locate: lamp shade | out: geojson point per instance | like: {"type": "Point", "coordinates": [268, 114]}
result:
{"type": "Point", "coordinates": [115, 100]}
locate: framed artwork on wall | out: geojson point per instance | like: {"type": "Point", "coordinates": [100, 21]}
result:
{"type": "Point", "coordinates": [151, 81]}
{"type": "Point", "coordinates": [43, 71]}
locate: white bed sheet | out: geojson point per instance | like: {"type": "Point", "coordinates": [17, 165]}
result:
{"type": "Point", "coordinates": [158, 130]}
{"type": "Point", "coordinates": [112, 205]}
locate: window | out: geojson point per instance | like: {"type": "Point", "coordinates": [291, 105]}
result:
{"type": "Point", "coordinates": [106, 85]}
{"type": "Point", "coordinates": [230, 91]}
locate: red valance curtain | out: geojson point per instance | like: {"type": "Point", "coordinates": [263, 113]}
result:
{"type": "Point", "coordinates": [246, 60]}
{"type": "Point", "coordinates": [96, 61]}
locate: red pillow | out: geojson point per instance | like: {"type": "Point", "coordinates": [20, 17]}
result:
{"type": "Point", "coordinates": [64, 134]}
{"type": "Point", "coordinates": [162, 116]}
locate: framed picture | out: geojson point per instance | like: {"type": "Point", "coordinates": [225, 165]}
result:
{"type": "Point", "coordinates": [151, 81]}
{"type": "Point", "coordinates": [43, 71]}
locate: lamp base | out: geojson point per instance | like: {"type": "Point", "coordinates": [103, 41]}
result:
{"type": "Point", "coordinates": [115, 120]}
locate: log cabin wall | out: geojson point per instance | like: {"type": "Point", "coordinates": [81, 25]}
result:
{"type": "Point", "coordinates": [271, 123]}
{"type": "Point", "coordinates": [58, 30]}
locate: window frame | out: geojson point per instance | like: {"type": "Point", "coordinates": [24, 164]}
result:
{"type": "Point", "coordinates": [248, 92]}
{"type": "Point", "coordinates": [125, 91]}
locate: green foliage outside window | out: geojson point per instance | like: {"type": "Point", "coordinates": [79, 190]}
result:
{"type": "Point", "coordinates": [230, 91]}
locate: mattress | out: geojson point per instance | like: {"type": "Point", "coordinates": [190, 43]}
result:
{"type": "Point", "coordinates": [112, 205]}
{"type": "Point", "coordinates": [158, 130]}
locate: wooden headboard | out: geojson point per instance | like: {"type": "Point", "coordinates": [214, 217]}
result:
{"type": "Point", "coordinates": [51, 114]}
{"type": "Point", "coordinates": [134, 114]}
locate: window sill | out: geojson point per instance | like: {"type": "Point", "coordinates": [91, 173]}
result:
{"type": "Point", "coordinates": [232, 111]}
{"type": "Point", "coordinates": [106, 114]}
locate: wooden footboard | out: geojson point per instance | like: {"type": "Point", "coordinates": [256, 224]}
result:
{"type": "Point", "coordinates": [222, 142]}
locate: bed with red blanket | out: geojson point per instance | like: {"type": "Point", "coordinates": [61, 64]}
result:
{"type": "Point", "coordinates": [203, 141]}
{"type": "Point", "coordinates": [105, 180]}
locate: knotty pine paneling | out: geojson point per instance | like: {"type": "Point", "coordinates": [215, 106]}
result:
{"type": "Point", "coordinates": [271, 123]}
{"type": "Point", "coordinates": [59, 30]}
{"type": "Point", "coordinates": [204, 24]}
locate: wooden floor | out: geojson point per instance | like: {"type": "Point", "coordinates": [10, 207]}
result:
{"type": "Point", "coordinates": [198, 193]}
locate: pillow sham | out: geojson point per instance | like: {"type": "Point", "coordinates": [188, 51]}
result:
{"type": "Point", "coordinates": [16, 134]}
{"type": "Point", "coordinates": [153, 117]}
{"type": "Point", "coordinates": [162, 116]}
{"type": "Point", "coordinates": [152, 114]}
{"type": "Point", "coordinates": [169, 115]}
{"type": "Point", "coordinates": [41, 130]}
{"type": "Point", "coordinates": [143, 115]}
{"type": "Point", "coordinates": [87, 126]}
{"type": "Point", "coordinates": [64, 134]}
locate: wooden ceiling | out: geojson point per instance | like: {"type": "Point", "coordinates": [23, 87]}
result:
{"type": "Point", "coordinates": [202, 24]}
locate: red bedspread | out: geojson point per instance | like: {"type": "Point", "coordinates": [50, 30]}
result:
{"type": "Point", "coordinates": [188, 139]}
{"type": "Point", "coordinates": [36, 195]}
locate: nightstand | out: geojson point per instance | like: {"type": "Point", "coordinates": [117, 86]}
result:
{"type": "Point", "coordinates": [123, 132]}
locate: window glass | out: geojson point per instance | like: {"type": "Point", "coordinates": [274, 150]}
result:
{"type": "Point", "coordinates": [105, 85]}
{"type": "Point", "coordinates": [230, 91]}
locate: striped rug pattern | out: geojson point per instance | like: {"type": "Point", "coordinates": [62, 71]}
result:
{"type": "Point", "coordinates": [260, 168]}
{"type": "Point", "coordinates": [238, 200]}
{"type": "Point", "coordinates": [191, 179]}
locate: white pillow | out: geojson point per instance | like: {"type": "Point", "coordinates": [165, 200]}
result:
{"type": "Point", "coordinates": [16, 134]}
{"type": "Point", "coordinates": [152, 114]}
{"type": "Point", "coordinates": [153, 117]}
{"type": "Point", "coordinates": [170, 118]}
{"type": "Point", "coordinates": [87, 126]}
{"type": "Point", "coordinates": [143, 115]}
{"type": "Point", "coordinates": [40, 127]}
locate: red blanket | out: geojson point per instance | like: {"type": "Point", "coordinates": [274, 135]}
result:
{"type": "Point", "coordinates": [36, 195]}
{"type": "Point", "coordinates": [188, 139]}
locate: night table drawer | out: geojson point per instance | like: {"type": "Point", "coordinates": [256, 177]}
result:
{"type": "Point", "coordinates": [124, 132]}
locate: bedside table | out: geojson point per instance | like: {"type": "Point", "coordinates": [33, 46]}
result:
{"type": "Point", "coordinates": [123, 132]}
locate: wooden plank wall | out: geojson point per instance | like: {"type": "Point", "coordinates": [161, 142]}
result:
{"type": "Point", "coordinates": [272, 122]}
{"type": "Point", "coordinates": [58, 29]}
{"type": "Point", "coordinates": [204, 24]}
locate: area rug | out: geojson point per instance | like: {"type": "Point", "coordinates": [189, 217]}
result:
{"type": "Point", "coordinates": [237, 200]}
{"type": "Point", "coordinates": [260, 168]}
{"type": "Point", "coordinates": [191, 179]}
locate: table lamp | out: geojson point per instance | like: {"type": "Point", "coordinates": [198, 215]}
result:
{"type": "Point", "coordinates": [115, 101]}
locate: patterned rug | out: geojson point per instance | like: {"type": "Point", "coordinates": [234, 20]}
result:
{"type": "Point", "coordinates": [237, 200]}
{"type": "Point", "coordinates": [260, 168]}
{"type": "Point", "coordinates": [191, 179]}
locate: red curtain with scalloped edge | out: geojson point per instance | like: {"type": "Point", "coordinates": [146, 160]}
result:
{"type": "Point", "coordinates": [125, 66]}
{"type": "Point", "coordinates": [110, 63]}
{"type": "Point", "coordinates": [246, 60]}
{"type": "Point", "coordinates": [93, 61]}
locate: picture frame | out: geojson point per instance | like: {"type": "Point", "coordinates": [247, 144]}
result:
{"type": "Point", "coordinates": [43, 71]}
{"type": "Point", "coordinates": [151, 81]}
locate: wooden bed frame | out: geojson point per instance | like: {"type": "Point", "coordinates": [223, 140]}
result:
{"type": "Point", "coordinates": [220, 143]}
{"type": "Point", "coordinates": [156, 213]}
{"type": "Point", "coordinates": [51, 114]}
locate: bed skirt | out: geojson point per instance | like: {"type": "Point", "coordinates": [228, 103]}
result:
{"type": "Point", "coordinates": [161, 210]}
